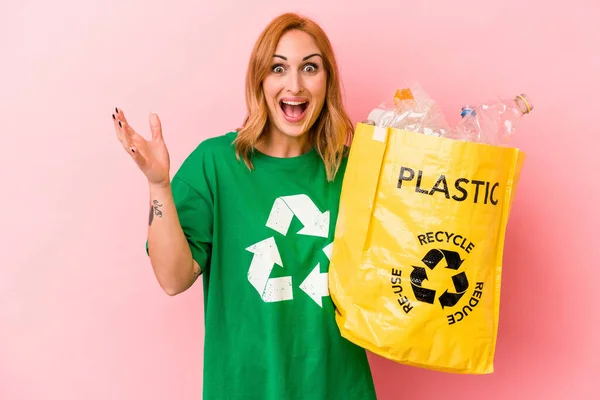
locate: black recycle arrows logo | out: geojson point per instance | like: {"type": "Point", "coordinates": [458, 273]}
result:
{"type": "Point", "coordinates": [431, 260]}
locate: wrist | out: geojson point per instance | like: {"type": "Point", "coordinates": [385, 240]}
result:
{"type": "Point", "coordinates": [160, 186]}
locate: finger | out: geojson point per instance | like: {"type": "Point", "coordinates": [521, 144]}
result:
{"type": "Point", "coordinates": [118, 129]}
{"type": "Point", "coordinates": [130, 145]}
{"type": "Point", "coordinates": [132, 137]}
{"type": "Point", "coordinates": [138, 157]}
{"type": "Point", "coordinates": [119, 118]}
{"type": "Point", "coordinates": [120, 114]}
{"type": "Point", "coordinates": [124, 134]}
{"type": "Point", "coordinates": [131, 141]}
{"type": "Point", "coordinates": [121, 121]}
{"type": "Point", "coordinates": [155, 127]}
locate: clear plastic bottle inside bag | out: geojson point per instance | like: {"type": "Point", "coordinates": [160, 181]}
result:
{"type": "Point", "coordinates": [493, 122]}
{"type": "Point", "coordinates": [413, 110]}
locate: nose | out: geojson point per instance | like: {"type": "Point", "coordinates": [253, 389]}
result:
{"type": "Point", "coordinates": [294, 83]}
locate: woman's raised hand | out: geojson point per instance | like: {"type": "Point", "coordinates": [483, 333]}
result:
{"type": "Point", "coordinates": [151, 156]}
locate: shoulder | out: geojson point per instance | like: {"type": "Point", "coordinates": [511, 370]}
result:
{"type": "Point", "coordinates": [213, 147]}
{"type": "Point", "coordinates": [200, 164]}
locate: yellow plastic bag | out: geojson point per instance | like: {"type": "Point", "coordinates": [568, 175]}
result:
{"type": "Point", "coordinates": [417, 257]}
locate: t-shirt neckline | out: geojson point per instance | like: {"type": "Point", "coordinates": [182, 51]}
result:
{"type": "Point", "coordinates": [286, 161]}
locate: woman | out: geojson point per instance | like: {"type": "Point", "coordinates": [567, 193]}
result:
{"type": "Point", "coordinates": [254, 212]}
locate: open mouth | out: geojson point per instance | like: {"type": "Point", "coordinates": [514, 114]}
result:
{"type": "Point", "coordinates": [293, 110]}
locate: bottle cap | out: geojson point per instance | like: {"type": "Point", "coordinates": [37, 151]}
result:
{"type": "Point", "coordinates": [403, 94]}
{"type": "Point", "coordinates": [467, 110]}
{"type": "Point", "coordinates": [524, 104]}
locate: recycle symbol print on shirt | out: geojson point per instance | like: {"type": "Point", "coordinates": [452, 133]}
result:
{"type": "Point", "coordinates": [266, 254]}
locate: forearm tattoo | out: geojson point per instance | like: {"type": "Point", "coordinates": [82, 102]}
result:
{"type": "Point", "coordinates": [155, 210]}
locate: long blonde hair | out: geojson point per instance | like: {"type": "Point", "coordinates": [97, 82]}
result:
{"type": "Point", "coordinates": [331, 132]}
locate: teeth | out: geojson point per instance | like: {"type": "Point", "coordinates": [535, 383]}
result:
{"type": "Point", "coordinates": [293, 103]}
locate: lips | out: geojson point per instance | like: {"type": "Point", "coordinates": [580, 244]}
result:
{"type": "Point", "coordinates": [293, 109]}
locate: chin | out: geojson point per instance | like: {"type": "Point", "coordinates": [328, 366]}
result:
{"type": "Point", "coordinates": [292, 130]}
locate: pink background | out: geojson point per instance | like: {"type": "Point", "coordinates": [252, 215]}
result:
{"type": "Point", "coordinates": [81, 314]}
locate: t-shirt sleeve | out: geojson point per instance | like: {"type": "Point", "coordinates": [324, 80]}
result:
{"type": "Point", "coordinates": [193, 198]}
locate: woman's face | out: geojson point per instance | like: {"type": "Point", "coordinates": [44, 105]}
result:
{"type": "Point", "coordinates": [296, 85]}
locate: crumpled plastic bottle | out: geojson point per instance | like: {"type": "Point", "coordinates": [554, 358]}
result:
{"type": "Point", "coordinates": [413, 110]}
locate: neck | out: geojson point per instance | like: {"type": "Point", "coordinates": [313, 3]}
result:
{"type": "Point", "coordinates": [281, 146]}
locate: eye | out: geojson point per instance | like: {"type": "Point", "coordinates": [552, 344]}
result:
{"type": "Point", "coordinates": [278, 69]}
{"type": "Point", "coordinates": [310, 68]}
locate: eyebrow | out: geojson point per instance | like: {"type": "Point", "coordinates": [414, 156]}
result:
{"type": "Point", "coordinates": [304, 59]}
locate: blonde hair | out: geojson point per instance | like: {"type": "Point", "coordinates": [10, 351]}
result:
{"type": "Point", "coordinates": [333, 128]}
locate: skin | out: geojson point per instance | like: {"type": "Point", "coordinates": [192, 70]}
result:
{"type": "Point", "coordinates": [297, 74]}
